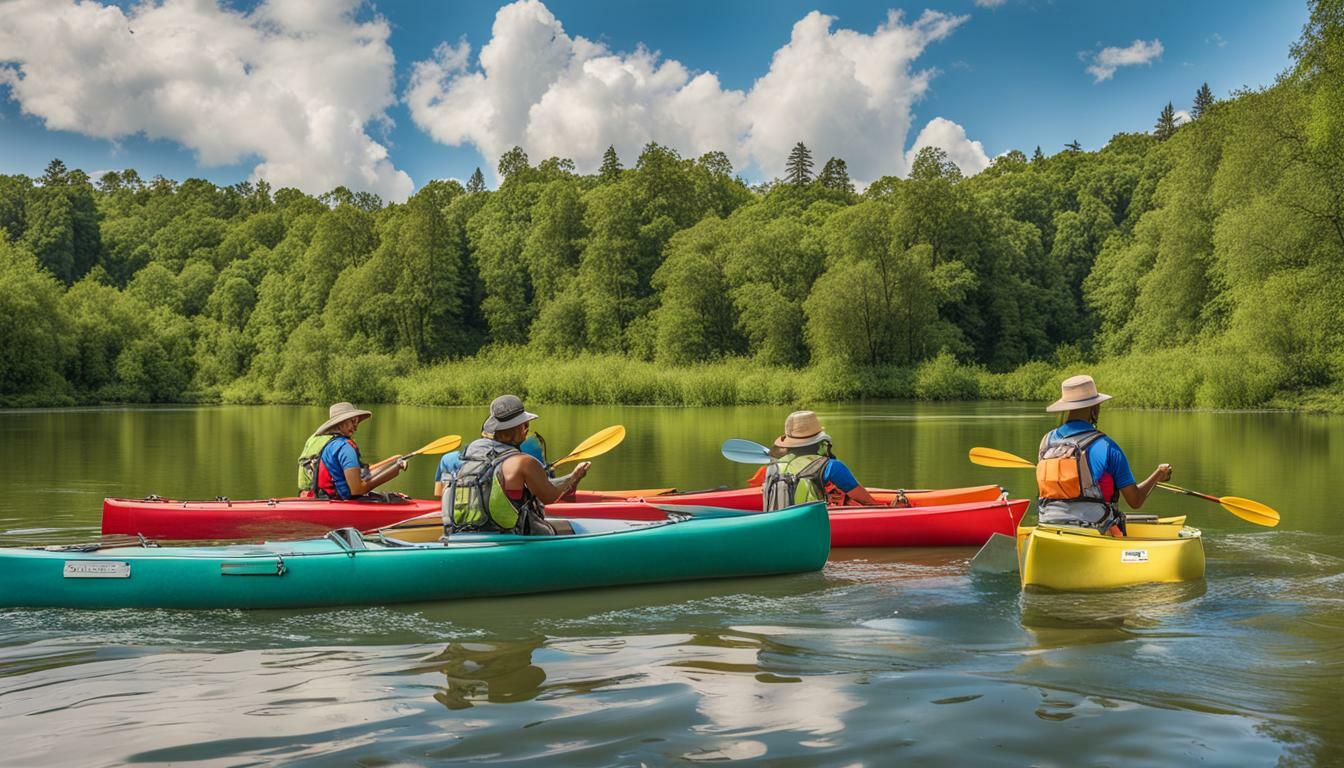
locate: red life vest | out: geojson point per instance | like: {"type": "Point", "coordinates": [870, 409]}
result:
{"type": "Point", "coordinates": [325, 484]}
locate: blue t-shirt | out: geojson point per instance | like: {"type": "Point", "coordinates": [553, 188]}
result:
{"type": "Point", "coordinates": [339, 455]}
{"type": "Point", "coordinates": [1104, 457]}
{"type": "Point", "coordinates": [452, 461]}
{"type": "Point", "coordinates": [839, 475]}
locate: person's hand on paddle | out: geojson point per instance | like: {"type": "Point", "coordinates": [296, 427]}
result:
{"type": "Point", "coordinates": [1162, 473]}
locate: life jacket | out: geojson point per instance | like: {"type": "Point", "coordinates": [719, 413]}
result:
{"type": "Point", "coordinates": [1067, 491]}
{"type": "Point", "coordinates": [309, 459]}
{"type": "Point", "coordinates": [794, 480]}
{"type": "Point", "coordinates": [315, 476]}
{"type": "Point", "coordinates": [474, 498]}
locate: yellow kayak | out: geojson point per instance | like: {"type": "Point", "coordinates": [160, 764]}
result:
{"type": "Point", "coordinates": [1073, 558]}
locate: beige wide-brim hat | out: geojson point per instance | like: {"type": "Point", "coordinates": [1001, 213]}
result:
{"type": "Point", "coordinates": [801, 428]}
{"type": "Point", "coordinates": [1077, 392]}
{"type": "Point", "coordinates": [340, 412]}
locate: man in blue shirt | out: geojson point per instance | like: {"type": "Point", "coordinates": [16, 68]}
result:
{"type": "Point", "coordinates": [1107, 476]}
{"type": "Point", "coordinates": [341, 473]}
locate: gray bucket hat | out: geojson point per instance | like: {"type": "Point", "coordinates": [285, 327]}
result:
{"type": "Point", "coordinates": [506, 412]}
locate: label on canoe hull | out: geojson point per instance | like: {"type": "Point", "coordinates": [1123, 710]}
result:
{"type": "Point", "coordinates": [97, 569]}
{"type": "Point", "coordinates": [1133, 555]}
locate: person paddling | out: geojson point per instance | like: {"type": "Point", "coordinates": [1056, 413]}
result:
{"type": "Point", "coordinates": [806, 470]}
{"type": "Point", "coordinates": [534, 446]}
{"type": "Point", "coordinates": [499, 487]}
{"type": "Point", "coordinates": [1081, 473]}
{"type": "Point", "coordinates": [330, 466]}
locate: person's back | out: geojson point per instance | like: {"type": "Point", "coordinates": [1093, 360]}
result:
{"type": "Point", "coordinates": [807, 471]}
{"type": "Point", "coordinates": [1081, 474]}
{"type": "Point", "coordinates": [499, 487]}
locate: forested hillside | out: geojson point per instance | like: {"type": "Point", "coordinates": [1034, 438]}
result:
{"type": "Point", "coordinates": [1199, 264]}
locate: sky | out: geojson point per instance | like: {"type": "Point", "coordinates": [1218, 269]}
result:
{"type": "Point", "coordinates": [387, 96]}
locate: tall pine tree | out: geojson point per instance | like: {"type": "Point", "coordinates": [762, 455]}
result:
{"type": "Point", "coordinates": [1073, 146]}
{"type": "Point", "coordinates": [1166, 123]}
{"type": "Point", "coordinates": [1203, 100]}
{"type": "Point", "coordinates": [798, 171]}
{"type": "Point", "coordinates": [477, 182]}
{"type": "Point", "coordinates": [611, 165]}
{"type": "Point", "coordinates": [835, 175]}
{"type": "Point", "coordinates": [1038, 156]}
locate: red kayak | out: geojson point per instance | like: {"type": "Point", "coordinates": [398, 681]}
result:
{"type": "Point", "coordinates": [159, 518]}
{"type": "Point", "coordinates": [966, 524]}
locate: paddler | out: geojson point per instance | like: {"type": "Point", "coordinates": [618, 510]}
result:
{"type": "Point", "coordinates": [805, 469]}
{"type": "Point", "coordinates": [330, 466]}
{"type": "Point", "coordinates": [1081, 473]}
{"type": "Point", "coordinates": [498, 487]}
{"type": "Point", "coordinates": [534, 446]}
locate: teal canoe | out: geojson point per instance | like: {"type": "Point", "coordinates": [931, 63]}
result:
{"type": "Point", "coordinates": [347, 569]}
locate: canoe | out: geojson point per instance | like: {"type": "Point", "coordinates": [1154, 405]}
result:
{"type": "Point", "coordinates": [947, 525]}
{"type": "Point", "coordinates": [347, 569]}
{"type": "Point", "coordinates": [169, 519]}
{"type": "Point", "coordinates": [1074, 558]}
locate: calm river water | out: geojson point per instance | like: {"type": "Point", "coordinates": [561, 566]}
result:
{"type": "Point", "coordinates": [885, 656]}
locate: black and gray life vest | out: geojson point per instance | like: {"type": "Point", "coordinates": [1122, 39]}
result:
{"type": "Point", "coordinates": [474, 499]}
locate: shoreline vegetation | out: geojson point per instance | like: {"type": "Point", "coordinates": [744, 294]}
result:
{"type": "Point", "coordinates": [1199, 265]}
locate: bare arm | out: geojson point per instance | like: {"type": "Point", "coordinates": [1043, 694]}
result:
{"type": "Point", "coordinates": [1135, 495]}
{"type": "Point", "coordinates": [359, 486]}
{"type": "Point", "coordinates": [863, 497]}
{"type": "Point", "coordinates": [524, 471]}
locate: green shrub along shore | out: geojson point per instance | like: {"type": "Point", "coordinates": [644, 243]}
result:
{"type": "Point", "coordinates": [1198, 265]}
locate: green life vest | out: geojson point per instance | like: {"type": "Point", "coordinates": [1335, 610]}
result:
{"type": "Point", "coordinates": [794, 480]}
{"type": "Point", "coordinates": [474, 498]}
{"type": "Point", "coordinates": [312, 453]}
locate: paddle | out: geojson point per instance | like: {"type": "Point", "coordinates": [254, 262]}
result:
{"type": "Point", "coordinates": [746, 452]}
{"type": "Point", "coordinates": [442, 445]}
{"type": "Point", "coordinates": [596, 445]}
{"type": "Point", "coordinates": [1248, 510]}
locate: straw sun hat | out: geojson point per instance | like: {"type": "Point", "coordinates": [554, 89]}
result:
{"type": "Point", "coordinates": [801, 428]}
{"type": "Point", "coordinates": [340, 412]}
{"type": "Point", "coordinates": [1077, 392]}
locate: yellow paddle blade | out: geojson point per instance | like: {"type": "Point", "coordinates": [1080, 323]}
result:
{"type": "Point", "coordinates": [1251, 511]}
{"type": "Point", "coordinates": [442, 445]}
{"type": "Point", "coordinates": [988, 457]}
{"type": "Point", "coordinates": [596, 445]}
{"type": "Point", "coordinates": [1247, 509]}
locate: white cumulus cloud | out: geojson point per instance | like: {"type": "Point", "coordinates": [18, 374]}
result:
{"type": "Point", "coordinates": [843, 93]}
{"type": "Point", "coordinates": [946, 135]}
{"type": "Point", "coordinates": [293, 85]}
{"type": "Point", "coordinates": [989, 3]}
{"type": "Point", "coordinates": [1107, 60]}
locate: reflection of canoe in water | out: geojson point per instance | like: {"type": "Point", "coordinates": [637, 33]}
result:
{"type": "Point", "coordinates": [159, 518]}
{"type": "Point", "coordinates": [1073, 558]}
{"type": "Point", "coordinates": [346, 570]}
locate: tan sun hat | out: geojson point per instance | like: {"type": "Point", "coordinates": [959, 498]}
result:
{"type": "Point", "coordinates": [1077, 392]}
{"type": "Point", "coordinates": [340, 412]}
{"type": "Point", "coordinates": [801, 428]}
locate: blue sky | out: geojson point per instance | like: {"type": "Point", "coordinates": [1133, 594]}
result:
{"type": "Point", "coordinates": [1012, 76]}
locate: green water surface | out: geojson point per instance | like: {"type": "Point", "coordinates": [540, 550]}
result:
{"type": "Point", "coordinates": [885, 656]}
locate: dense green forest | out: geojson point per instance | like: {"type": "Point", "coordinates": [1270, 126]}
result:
{"type": "Point", "coordinates": [1199, 264]}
